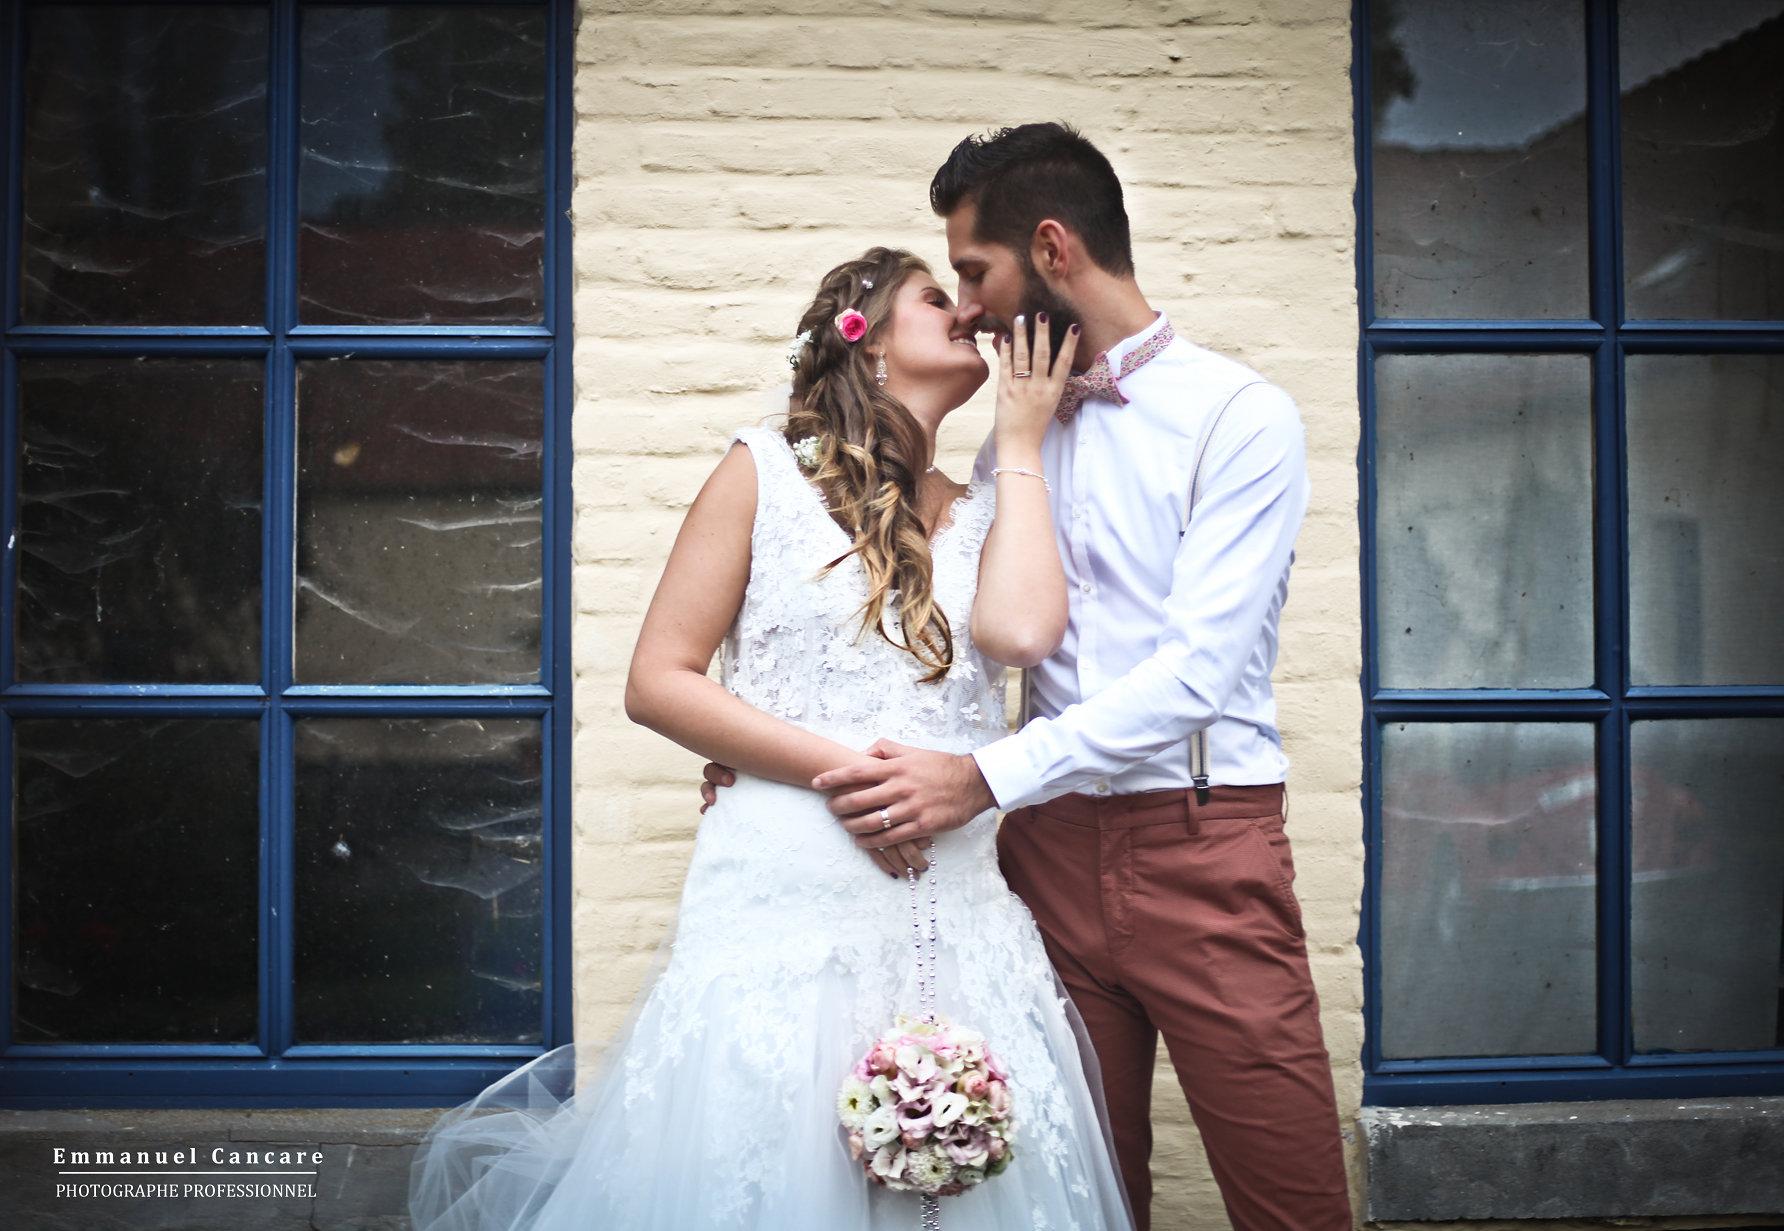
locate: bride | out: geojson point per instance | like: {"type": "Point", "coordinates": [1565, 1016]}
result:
{"type": "Point", "coordinates": [857, 593]}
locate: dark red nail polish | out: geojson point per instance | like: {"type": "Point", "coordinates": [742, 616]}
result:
{"type": "Point", "coordinates": [1041, 317]}
{"type": "Point", "coordinates": [1074, 331]}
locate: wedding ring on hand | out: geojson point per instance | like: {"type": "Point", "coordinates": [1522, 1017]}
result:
{"type": "Point", "coordinates": [885, 818]}
{"type": "Point", "coordinates": [1021, 375]}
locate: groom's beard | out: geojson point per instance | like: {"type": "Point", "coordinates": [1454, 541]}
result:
{"type": "Point", "coordinates": [1038, 298]}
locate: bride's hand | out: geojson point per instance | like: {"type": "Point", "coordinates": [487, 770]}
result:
{"type": "Point", "coordinates": [1029, 387]}
{"type": "Point", "coordinates": [893, 860]}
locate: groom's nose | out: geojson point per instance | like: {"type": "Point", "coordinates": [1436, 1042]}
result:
{"type": "Point", "coordinates": [966, 321]}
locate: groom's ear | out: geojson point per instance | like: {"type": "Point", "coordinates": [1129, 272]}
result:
{"type": "Point", "coordinates": [1050, 249]}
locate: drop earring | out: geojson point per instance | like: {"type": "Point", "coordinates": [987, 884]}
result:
{"type": "Point", "coordinates": [879, 371]}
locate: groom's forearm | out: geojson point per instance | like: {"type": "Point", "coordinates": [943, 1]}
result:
{"type": "Point", "coordinates": [1137, 717]}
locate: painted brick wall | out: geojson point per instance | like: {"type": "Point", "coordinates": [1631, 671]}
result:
{"type": "Point", "coordinates": [729, 151]}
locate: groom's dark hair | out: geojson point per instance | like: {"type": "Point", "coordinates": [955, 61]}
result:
{"type": "Point", "coordinates": [1019, 176]}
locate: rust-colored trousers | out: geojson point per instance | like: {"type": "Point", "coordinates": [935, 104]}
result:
{"type": "Point", "coordinates": [1167, 916]}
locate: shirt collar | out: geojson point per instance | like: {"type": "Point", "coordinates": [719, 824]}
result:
{"type": "Point", "coordinates": [1121, 349]}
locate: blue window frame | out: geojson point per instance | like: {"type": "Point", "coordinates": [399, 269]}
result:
{"type": "Point", "coordinates": [1571, 371]}
{"type": "Point", "coordinates": [285, 650]}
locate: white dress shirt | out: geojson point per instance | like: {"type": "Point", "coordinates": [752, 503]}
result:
{"type": "Point", "coordinates": [1168, 632]}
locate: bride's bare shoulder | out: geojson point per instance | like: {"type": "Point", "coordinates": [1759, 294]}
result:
{"type": "Point", "coordinates": [729, 493]}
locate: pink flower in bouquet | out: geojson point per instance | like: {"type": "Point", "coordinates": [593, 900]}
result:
{"type": "Point", "coordinates": [910, 1090]}
{"type": "Point", "coordinates": [998, 1095]}
{"type": "Point", "coordinates": [857, 1147]}
{"type": "Point", "coordinates": [995, 1066]}
{"type": "Point", "coordinates": [974, 1085]}
{"type": "Point", "coordinates": [996, 1148]}
{"type": "Point", "coordinates": [975, 1151]}
{"type": "Point", "coordinates": [851, 325]}
{"type": "Point", "coordinates": [915, 1118]}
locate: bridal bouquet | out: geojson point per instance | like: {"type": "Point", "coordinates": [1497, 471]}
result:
{"type": "Point", "coordinates": [928, 1109]}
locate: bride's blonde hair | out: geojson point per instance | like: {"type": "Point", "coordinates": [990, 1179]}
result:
{"type": "Point", "coordinates": [870, 453]}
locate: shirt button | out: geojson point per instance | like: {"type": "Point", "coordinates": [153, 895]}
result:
{"type": "Point", "coordinates": [1102, 788]}
{"type": "Point", "coordinates": [1084, 586]}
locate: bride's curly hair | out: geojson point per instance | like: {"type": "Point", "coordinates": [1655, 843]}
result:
{"type": "Point", "coordinates": [870, 453]}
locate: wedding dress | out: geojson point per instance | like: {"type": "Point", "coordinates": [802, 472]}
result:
{"type": "Point", "coordinates": [717, 1105]}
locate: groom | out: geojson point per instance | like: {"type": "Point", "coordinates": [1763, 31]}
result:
{"type": "Point", "coordinates": [1144, 795]}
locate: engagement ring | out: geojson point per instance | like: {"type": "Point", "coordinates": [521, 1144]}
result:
{"type": "Point", "coordinates": [885, 818]}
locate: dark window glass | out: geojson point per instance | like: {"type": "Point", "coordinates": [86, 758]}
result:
{"type": "Point", "coordinates": [1489, 887]}
{"type": "Point", "coordinates": [136, 880]}
{"type": "Point", "coordinates": [139, 519]}
{"type": "Point", "coordinates": [1483, 534]}
{"type": "Point", "coordinates": [1478, 143]}
{"type": "Point", "coordinates": [1707, 908]}
{"type": "Point", "coordinates": [422, 187]}
{"type": "Point", "coordinates": [1703, 158]}
{"type": "Point", "coordinates": [419, 880]}
{"type": "Point", "coordinates": [144, 165]}
{"type": "Point", "coordinates": [419, 528]}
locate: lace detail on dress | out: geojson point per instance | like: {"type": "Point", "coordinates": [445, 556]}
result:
{"type": "Point", "coordinates": [780, 904]}
{"type": "Point", "coordinates": [797, 649]}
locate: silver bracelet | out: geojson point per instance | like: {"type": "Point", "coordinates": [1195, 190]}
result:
{"type": "Point", "coordinates": [997, 470]}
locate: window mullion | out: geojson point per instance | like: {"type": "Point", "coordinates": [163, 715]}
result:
{"type": "Point", "coordinates": [1611, 551]}
{"type": "Point", "coordinates": [276, 850]}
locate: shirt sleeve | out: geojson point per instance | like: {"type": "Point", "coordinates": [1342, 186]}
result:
{"type": "Point", "coordinates": [1223, 579]}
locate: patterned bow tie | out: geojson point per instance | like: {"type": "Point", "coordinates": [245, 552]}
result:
{"type": "Point", "coordinates": [1101, 382]}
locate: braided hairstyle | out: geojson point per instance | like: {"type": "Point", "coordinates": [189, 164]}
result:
{"type": "Point", "coordinates": [870, 454]}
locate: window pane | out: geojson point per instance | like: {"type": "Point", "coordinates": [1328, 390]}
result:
{"type": "Point", "coordinates": [419, 528]}
{"type": "Point", "coordinates": [136, 879]}
{"type": "Point", "coordinates": [1706, 563]}
{"type": "Point", "coordinates": [1703, 158]}
{"type": "Point", "coordinates": [144, 165]}
{"type": "Point", "coordinates": [1483, 529]}
{"type": "Point", "coordinates": [1478, 142]}
{"type": "Point", "coordinates": [422, 185]}
{"type": "Point", "coordinates": [1488, 889]}
{"type": "Point", "coordinates": [1708, 904]}
{"type": "Point", "coordinates": [419, 880]}
{"type": "Point", "coordinates": [139, 520]}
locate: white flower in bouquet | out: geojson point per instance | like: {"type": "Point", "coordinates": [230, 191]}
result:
{"type": "Point", "coordinates": [854, 1103]}
{"type": "Point", "coordinates": [880, 1128]}
{"type": "Point", "coordinates": [929, 1168]}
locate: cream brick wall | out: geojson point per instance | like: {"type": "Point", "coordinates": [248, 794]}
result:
{"type": "Point", "coordinates": [730, 151]}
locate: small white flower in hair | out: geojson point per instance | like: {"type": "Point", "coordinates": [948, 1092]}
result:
{"type": "Point", "coordinates": [807, 452]}
{"type": "Point", "coordinates": [796, 347]}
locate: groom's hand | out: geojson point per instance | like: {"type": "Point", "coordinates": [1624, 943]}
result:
{"type": "Point", "coordinates": [716, 776]}
{"type": "Point", "coordinates": [925, 792]}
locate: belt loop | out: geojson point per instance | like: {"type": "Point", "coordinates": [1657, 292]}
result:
{"type": "Point", "coordinates": [1192, 815]}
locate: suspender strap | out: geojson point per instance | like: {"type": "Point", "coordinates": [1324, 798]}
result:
{"type": "Point", "coordinates": [1198, 743]}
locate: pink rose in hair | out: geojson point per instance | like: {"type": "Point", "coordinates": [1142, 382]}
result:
{"type": "Point", "coordinates": [851, 325]}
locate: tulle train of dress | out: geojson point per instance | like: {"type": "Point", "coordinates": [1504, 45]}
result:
{"type": "Point", "coordinates": [716, 1106]}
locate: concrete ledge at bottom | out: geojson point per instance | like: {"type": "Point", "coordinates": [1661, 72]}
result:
{"type": "Point", "coordinates": [1615, 1159]}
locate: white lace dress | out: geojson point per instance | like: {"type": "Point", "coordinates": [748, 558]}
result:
{"type": "Point", "coordinates": [716, 1107]}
